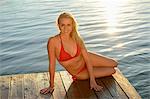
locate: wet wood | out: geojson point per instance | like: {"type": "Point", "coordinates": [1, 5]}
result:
{"type": "Point", "coordinates": [104, 93]}
{"type": "Point", "coordinates": [27, 86]}
{"type": "Point", "coordinates": [128, 89]}
{"type": "Point", "coordinates": [114, 88]}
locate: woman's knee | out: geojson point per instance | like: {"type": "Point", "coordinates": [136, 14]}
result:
{"type": "Point", "coordinates": [113, 71]}
{"type": "Point", "coordinates": [114, 63]}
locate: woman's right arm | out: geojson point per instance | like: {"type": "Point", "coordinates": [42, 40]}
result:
{"type": "Point", "coordinates": [52, 60]}
{"type": "Point", "coordinates": [52, 63]}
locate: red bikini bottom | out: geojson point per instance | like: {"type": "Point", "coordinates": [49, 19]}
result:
{"type": "Point", "coordinates": [74, 77]}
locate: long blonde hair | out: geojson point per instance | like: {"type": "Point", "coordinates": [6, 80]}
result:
{"type": "Point", "coordinates": [74, 34]}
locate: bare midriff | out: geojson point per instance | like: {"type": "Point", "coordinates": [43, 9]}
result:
{"type": "Point", "coordinates": [73, 65]}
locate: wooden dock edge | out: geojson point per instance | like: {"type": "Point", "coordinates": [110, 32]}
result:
{"type": "Point", "coordinates": [126, 85]}
{"type": "Point", "coordinates": [26, 82]}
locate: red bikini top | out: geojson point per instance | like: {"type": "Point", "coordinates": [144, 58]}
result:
{"type": "Point", "coordinates": [64, 56]}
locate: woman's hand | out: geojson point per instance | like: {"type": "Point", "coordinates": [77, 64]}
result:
{"type": "Point", "coordinates": [47, 90]}
{"type": "Point", "coordinates": [95, 86]}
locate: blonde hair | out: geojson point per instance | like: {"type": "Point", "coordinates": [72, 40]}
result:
{"type": "Point", "coordinates": [74, 34]}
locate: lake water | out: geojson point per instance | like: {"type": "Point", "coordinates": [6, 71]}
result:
{"type": "Point", "coordinates": [115, 28]}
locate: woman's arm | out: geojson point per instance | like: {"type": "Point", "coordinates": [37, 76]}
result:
{"type": "Point", "coordinates": [52, 60]}
{"type": "Point", "coordinates": [93, 83]}
{"type": "Point", "coordinates": [52, 63]}
{"type": "Point", "coordinates": [88, 63]}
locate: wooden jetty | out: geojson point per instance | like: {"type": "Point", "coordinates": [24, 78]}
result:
{"type": "Point", "coordinates": [27, 86]}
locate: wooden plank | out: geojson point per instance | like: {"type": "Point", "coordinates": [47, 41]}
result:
{"type": "Point", "coordinates": [114, 88]}
{"type": "Point", "coordinates": [59, 90]}
{"type": "Point", "coordinates": [31, 87]}
{"type": "Point", "coordinates": [16, 90]}
{"type": "Point", "coordinates": [84, 88]}
{"type": "Point", "coordinates": [27, 86]}
{"type": "Point", "coordinates": [5, 86]}
{"type": "Point", "coordinates": [104, 93]}
{"type": "Point", "coordinates": [70, 86]}
{"type": "Point", "coordinates": [38, 78]}
{"type": "Point", "coordinates": [30, 91]}
{"type": "Point", "coordinates": [126, 86]}
{"type": "Point", "coordinates": [42, 82]}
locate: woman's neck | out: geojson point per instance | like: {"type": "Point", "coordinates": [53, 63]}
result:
{"type": "Point", "coordinates": [65, 36]}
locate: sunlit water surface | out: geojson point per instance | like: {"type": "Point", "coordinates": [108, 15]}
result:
{"type": "Point", "coordinates": [116, 28]}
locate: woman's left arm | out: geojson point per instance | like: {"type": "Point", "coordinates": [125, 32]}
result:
{"type": "Point", "coordinates": [93, 83]}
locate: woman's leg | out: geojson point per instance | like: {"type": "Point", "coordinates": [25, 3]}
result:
{"type": "Point", "coordinates": [102, 66]}
{"type": "Point", "coordinates": [98, 72]}
{"type": "Point", "coordinates": [102, 61]}
{"type": "Point", "coordinates": [102, 72]}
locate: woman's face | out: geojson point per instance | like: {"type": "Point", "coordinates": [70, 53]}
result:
{"type": "Point", "coordinates": [65, 25]}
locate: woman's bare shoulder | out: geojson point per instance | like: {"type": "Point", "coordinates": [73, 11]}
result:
{"type": "Point", "coordinates": [53, 39]}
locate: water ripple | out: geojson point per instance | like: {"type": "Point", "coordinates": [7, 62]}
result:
{"type": "Point", "coordinates": [25, 27]}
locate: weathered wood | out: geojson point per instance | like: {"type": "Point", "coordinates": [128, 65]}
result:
{"type": "Point", "coordinates": [59, 91]}
{"type": "Point", "coordinates": [5, 87]}
{"type": "Point", "coordinates": [39, 79]}
{"type": "Point", "coordinates": [114, 88]}
{"type": "Point", "coordinates": [125, 85]}
{"type": "Point", "coordinates": [28, 86]}
{"type": "Point", "coordinates": [70, 87]}
{"type": "Point", "coordinates": [32, 83]}
{"type": "Point", "coordinates": [17, 88]}
{"type": "Point", "coordinates": [104, 93]}
{"type": "Point", "coordinates": [83, 87]}
{"type": "Point", "coordinates": [43, 82]}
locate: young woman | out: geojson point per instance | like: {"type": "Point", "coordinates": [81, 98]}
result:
{"type": "Point", "coordinates": [69, 49]}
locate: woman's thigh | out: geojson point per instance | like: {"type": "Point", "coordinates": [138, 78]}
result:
{"type": "Point", "coordinates": [98, 72]}
{"type": "Point", "coordinates": [98, 60]}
